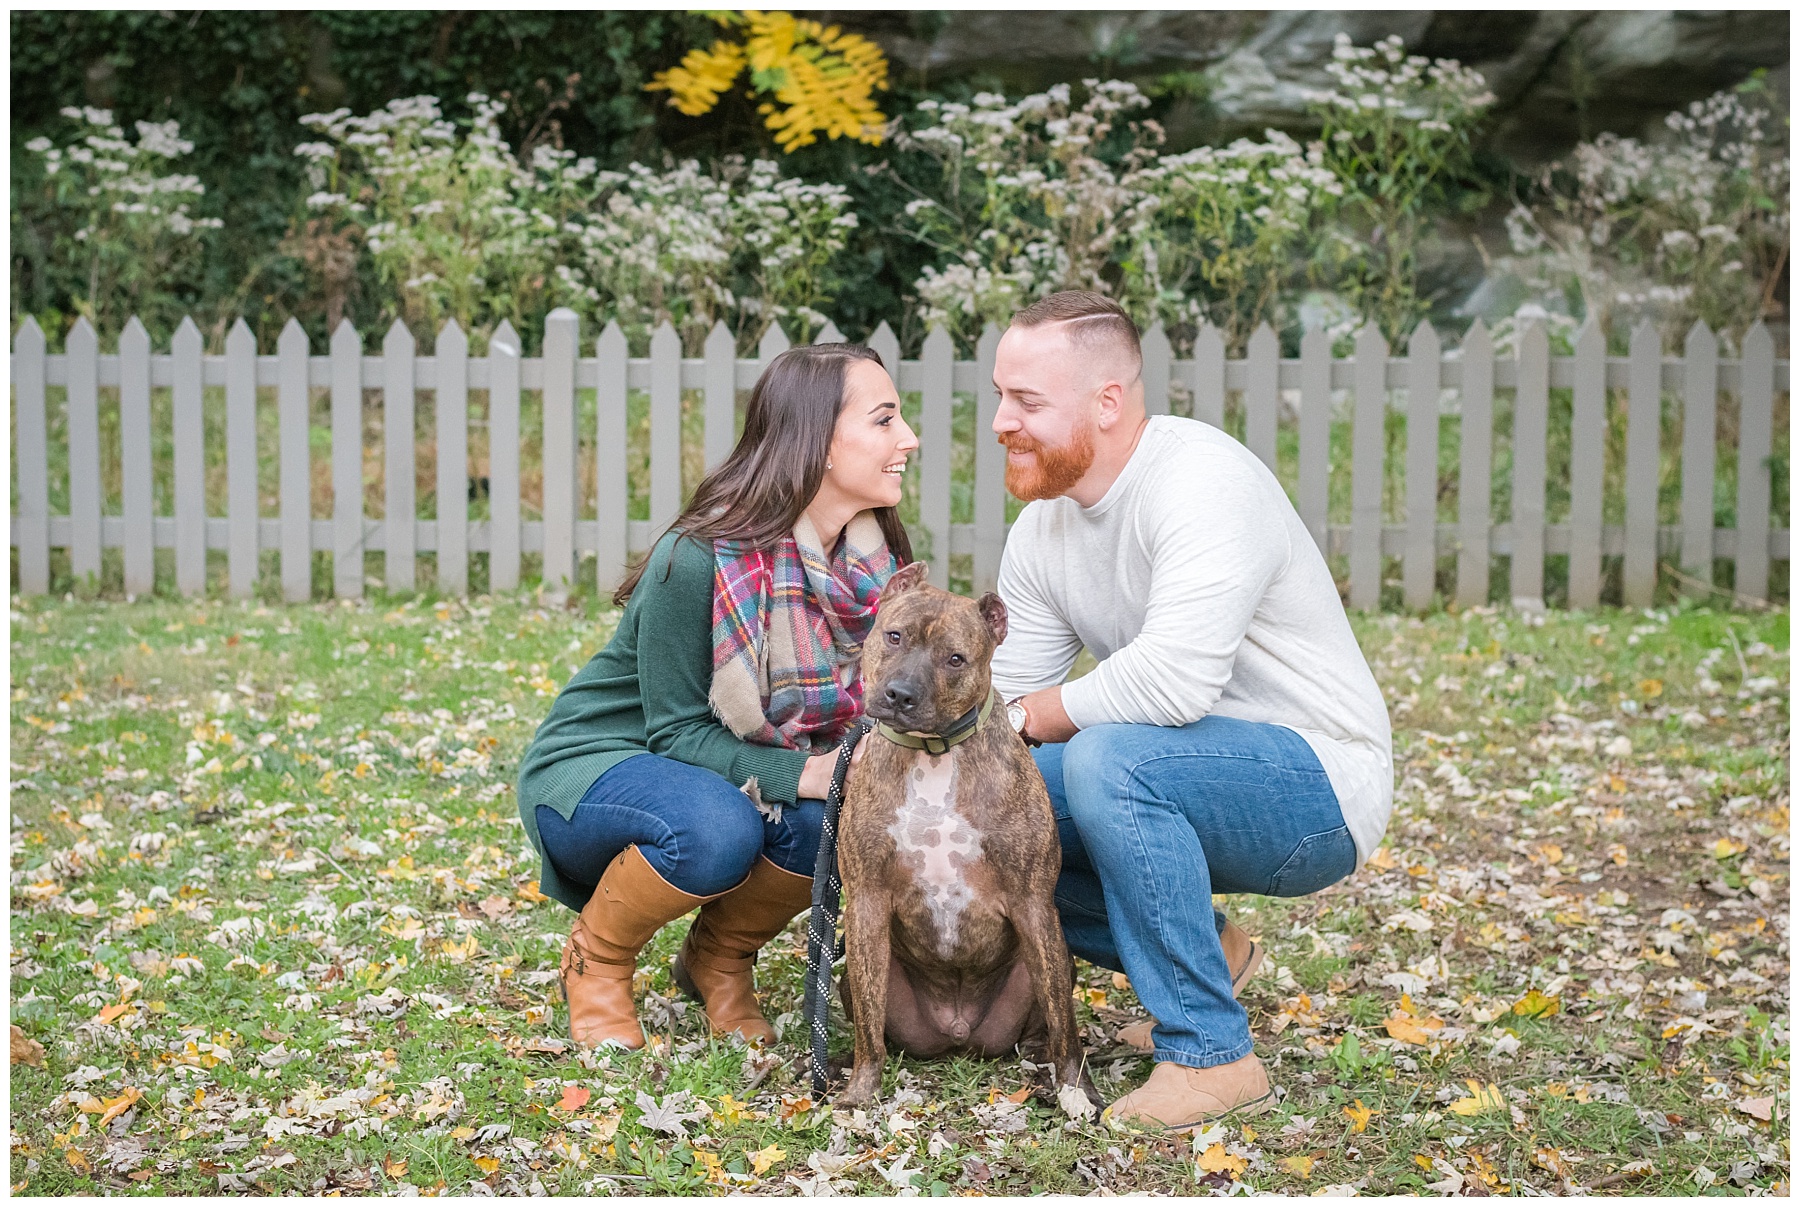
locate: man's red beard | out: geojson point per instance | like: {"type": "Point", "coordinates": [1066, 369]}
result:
{"type": "Point", "coordinates": [1054, 471]}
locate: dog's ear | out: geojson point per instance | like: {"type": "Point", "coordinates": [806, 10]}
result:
{"type": "Point", "coordinates": [993, 610]}
{"type": "Point", "coordinates": [905, 579]}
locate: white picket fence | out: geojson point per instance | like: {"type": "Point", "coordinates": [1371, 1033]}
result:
{"type": "Point", "coordinates": [1273, 391]}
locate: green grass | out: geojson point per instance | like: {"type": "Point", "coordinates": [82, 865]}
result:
{"type": "Point", "coordinates": [267, 877]}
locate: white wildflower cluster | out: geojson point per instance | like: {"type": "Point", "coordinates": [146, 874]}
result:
{"type": "Point", "coordinates": [463, 227]}
{"type": "Point", "coordinates": [1219, 243]}
{"type": "Point", "coordinates": [1695, 228]}
{"type": "Point", "coordinates": [121, 220]}
{"type": "Point", "coordinates": [1034, 197]}
{"type": "Point", "coordinates": [1384, 79]}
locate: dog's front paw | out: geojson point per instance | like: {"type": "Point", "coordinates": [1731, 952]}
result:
{"type": "Point", "coordinates": [864, 1088]}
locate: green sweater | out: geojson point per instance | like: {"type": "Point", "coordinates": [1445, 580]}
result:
{"type": "Point", "coordinates": [646, 692]}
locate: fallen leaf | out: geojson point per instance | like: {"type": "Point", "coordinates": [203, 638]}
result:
{"type": "Point", "coordinates": [1758, 1108]}
{"type": "Point", "coordinates": [1383, 860]}
{"type": "Point", "coordinates": [1300, 1166]}
{"type": "Point", "coordinates": [574, 1097]}
{"type": "Point", "coordinates": [1537, 1005]}
{"type": "Point", "coordinates": [1360, 1116]}
{"type": "Point", "coordinates": [1649, 689]}
{"type": "Point", "coordinates": [26, 1050]}
{"type": "Point", "coordinates": [1019, 1095]}
{"type": "Point", "coordinates": [1411, 1030]}
{"type": "Point", "coordinates": [765, 1159]}
{"type": "Point", "coordinates": [487, 1164]}
{"type": "Point", "coordinates": [109, 1013]}
{"type": "Point", "coordinates": [462, 1133]}
{"type": "Point", "coordinates": [393, 1168]}
{"type": "Point", "coordinates": [1217, 1160]}
{"type": "Point", "coordinates": [76, 1161]}
{"type": "Point", "coordinates": [1480, 1101]}
{"type": "Point", "coordinates": [114, 1107]}
{"type": "Point", "coordinates": [1726, 848]}
{"type": "Point", "coordinates": [1074, 1102]}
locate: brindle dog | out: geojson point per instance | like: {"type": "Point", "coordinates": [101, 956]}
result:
{"type": "Point", "coordinates": [949, 861]}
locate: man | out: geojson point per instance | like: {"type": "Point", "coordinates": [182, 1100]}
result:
{"type": "Point", "coordinates": [1232, 738]}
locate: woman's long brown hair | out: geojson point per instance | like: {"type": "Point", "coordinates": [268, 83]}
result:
{"type": "Point", "coordinates": [760, 490]}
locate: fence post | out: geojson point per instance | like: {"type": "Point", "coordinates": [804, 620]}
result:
{"type": "Point", "coordinates": [990, 470]}
{"type": "Point", "coordinates": [721, 395]}
{"type": "Point", "coordinates": [450, 419]}
{"type": "Point", "coordinates": [137, 499]}
{"type": "Point", "coordinates": [188, 424]}
{"type": "Point", "coordinates": [829, 334]}
{"type": "Point", "coordinates": [1756, 406]}
{"type": "Point", "coordinates": [399, 427]}
{"type": "Point", "coordinates": [1262, 395]}
{"type": "Point", "coordinates": [885, 344]}
{"type": "Point", "coordinates": [293, 405]}
{"type": "Point", "coordinates": [346, 463]}
{"type": "Point", "coordinates": [1314, 487]}
{"type": "Point", "coordinates": [665, 427]}
{"type": "Point", "coordinates": [1643, 447]}
{"type": "Point", "coordinates": [1699, 449]}
{"type": "Point", "coordinates": [562, 340]}
{"type": "Point", "coordinates": [240, 460]}
{"type": "Point", "coordinates": [1368, 439]}
{"type": "Point", "coordinates": [83, 348]}
{"type": "Point", "coordinates": [1209, 376]}
{"type": "Point", "coordinates": [1423, 374]}
{"type": "Point", "coordinates": [1531, 416]}
{"type": "Point", "coordinates": [1587, 466]}
{"type": "Point", "coordinates": [1475, 484]}
{"type": "Point", "coordinates": [504, 528]}
{"type": "Point", "coordinates": [937, 366]}
{"type": "Point", "coordinates": [33, 455]}
{"type": "Point", "coordinates": [612, 507]}
{"type": "Point", "coordinates": [1156, 370]}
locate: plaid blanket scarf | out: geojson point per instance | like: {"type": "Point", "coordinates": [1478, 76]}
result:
{"type": "Point", "coordinates": [788, 629]}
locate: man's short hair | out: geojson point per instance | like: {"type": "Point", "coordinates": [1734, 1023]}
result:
{"type": "Point", "coordinates": [1095, 323]}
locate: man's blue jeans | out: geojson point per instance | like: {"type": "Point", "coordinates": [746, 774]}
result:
{"type": "Point", "coordinates": [693, 826]}
{"type": "Point", "coordinates": [1153, 822]}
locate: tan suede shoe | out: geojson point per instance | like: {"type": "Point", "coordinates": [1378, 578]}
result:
{"type": "Point", "coordinates": [1178, 1099]}
{"type": "Point", "coordinates": [1243, 955]}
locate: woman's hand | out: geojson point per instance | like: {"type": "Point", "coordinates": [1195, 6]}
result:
{"type": "Point", "coordinates": [815, 778]}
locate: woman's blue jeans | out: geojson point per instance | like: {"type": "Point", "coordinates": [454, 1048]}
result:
{"type": "Point", "coordinates": [1153, 822]}
{"type": "Point", "coordinates": [693, 826]}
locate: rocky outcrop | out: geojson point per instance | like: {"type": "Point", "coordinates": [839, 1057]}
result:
{"type": "Point", "coordinates": [1559, 76]}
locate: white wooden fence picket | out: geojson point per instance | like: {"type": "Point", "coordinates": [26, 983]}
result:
{"type": "Point", "coordinates": [1306, 392]}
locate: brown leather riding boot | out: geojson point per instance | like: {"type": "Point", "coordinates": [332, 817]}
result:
{"type": "Point", "coordinates": [629, 905]}
{"type": "Point", "coordinates": [713, 966]}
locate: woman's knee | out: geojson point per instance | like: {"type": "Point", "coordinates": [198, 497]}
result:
{"type": "Point", "coordinates": [792, 844]}
{"type": "Point", "coordinates": [715, 850]}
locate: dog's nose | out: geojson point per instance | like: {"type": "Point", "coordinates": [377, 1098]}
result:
{"type": "Point", "coordinates": [900, 696]}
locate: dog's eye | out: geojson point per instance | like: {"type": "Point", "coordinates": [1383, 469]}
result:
{"type": "Point", "coordinates": [957, 660]}
{"type": "Point", "coordinates": [893, 638]}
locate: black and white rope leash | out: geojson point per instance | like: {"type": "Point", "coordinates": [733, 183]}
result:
{"type": "Point", "coordinates": [823, 946]}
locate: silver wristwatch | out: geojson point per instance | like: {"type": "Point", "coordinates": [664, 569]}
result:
{"type": "Point", "coordinates": [1017, 716]}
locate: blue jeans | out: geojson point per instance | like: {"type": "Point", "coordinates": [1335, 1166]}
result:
{"type": "Point", "coordinates": [1153, 822]}
{"type": "Point", "coordinates": [693, 826]}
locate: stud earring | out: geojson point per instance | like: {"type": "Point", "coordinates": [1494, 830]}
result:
{"type": "Point", "coordinates": [828, 463]}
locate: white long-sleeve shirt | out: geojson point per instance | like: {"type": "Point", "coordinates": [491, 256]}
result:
{"type": "Point", "coordinates": [1196, 586]}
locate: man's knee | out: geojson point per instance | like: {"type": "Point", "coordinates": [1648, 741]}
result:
{"type": "Point", "coordinates": [1096, 771]}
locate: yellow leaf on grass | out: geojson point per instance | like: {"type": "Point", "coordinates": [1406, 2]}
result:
{"type": "Point", "coordinates": [487, 1164]}
{"type": "Point", "coordinates": [1537, 1005]}
{"type": "Point", "coordinates": [462, 1133]}
{"type": "Point", "coordinates": [76, 1161]}
{"type": "Point", "coordinates": [1650, 688]}
{"type": "Point", "coordinates": [114, 1107]}
{"type": "Point", "coordinates": [1217, 1160]}
{"type": "Point", "coordinates": [1725, 848]}
{"type": "Point", "coordinates": [1480, 1101]}
{"type": "Point", "coordinates": [1300, 1166]}
{"type": "Point", "coordinates": [1550, 853]}
{"type": "Point", "coordinates": [1096, 998]}
{"type": "Point", "coordinates": [111, 1012]}
{"type": "Point", "coordinates": [1383, 860]}
{"type": "Point", "coordinates": [1249, 1134]}
{"type": "Point", "coordinates": [1360, 1116]}
{"type": "Point", "coordinates": [393, 1168]}
{"type": "Point", "coordinates": [730, 1110]}
{"type": "Point", "coordinates": [529, 892]}
{"type": "Point", "coordinates": [764, 1159]}
{"type": "Point", "coordinates": [1411, 1030]}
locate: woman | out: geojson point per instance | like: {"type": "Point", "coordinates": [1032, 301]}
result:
{"type": "Point", "coordinates": [686, 763]}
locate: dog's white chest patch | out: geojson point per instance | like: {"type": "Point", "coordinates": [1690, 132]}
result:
{"type": "Point", "coordinates": [937, 843]}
